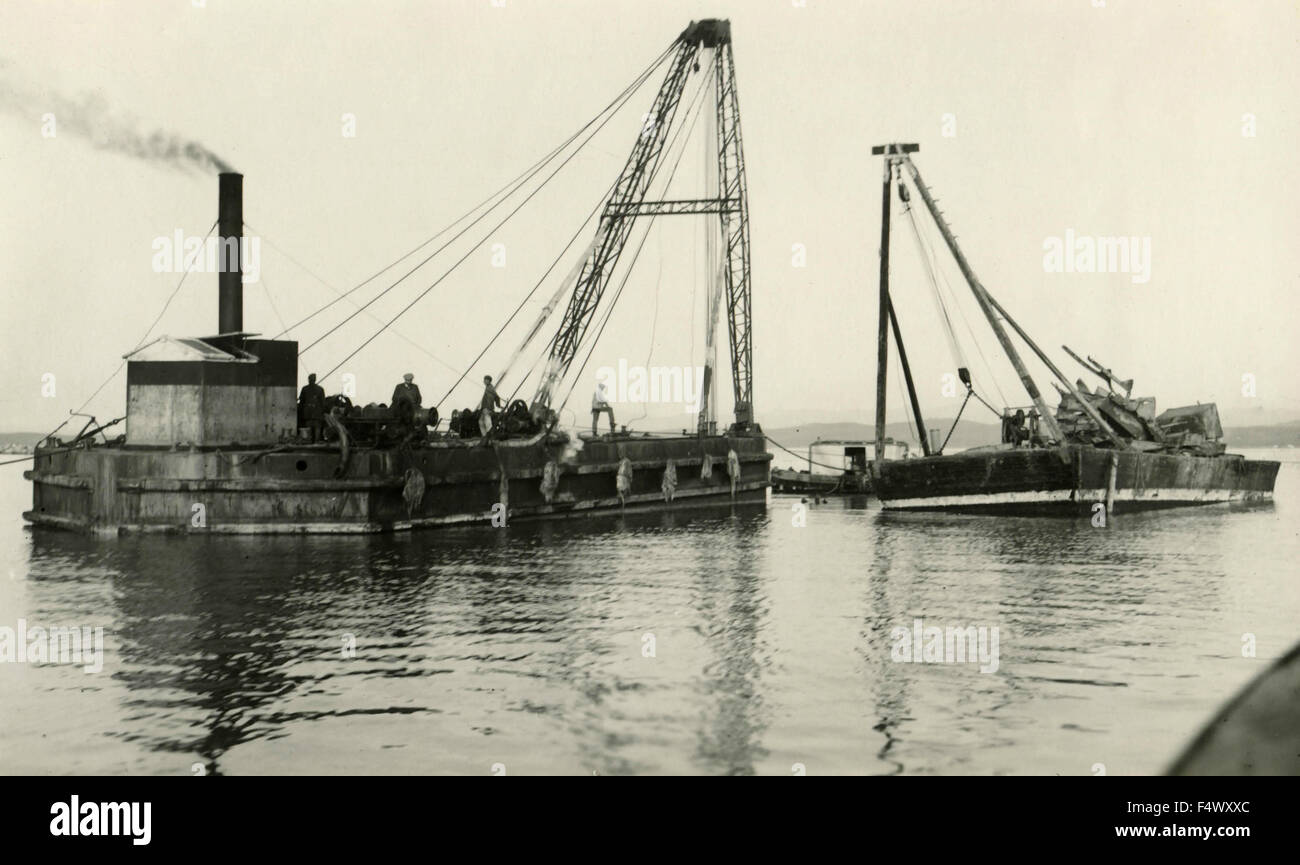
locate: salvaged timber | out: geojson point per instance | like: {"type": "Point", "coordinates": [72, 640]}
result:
{"type": "Point", "coordinates": [219, 439]}
{"type": "Point", "coordinates": [1098, 450]}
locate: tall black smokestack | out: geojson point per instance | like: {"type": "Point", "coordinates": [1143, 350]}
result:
{"type": "Point", "coordinates": [230, 225]}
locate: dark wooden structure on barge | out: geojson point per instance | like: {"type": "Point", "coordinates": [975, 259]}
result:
{"type": "Point", "coordinates": [1097, 449]}
{"type": "Point", "coordinates": [213, 446]}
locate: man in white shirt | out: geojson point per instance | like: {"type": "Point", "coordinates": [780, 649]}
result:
{"type": "Point", "coordinates": [600, 403]}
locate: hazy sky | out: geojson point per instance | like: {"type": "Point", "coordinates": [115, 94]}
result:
{"type": "Point", "coordinates": [1066, 115]}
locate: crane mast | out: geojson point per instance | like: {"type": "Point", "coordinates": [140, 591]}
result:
{"type": "Point", "coordinates": [628, 201]}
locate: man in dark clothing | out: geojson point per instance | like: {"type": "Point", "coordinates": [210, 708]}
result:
{"type": "Point", "coordinates": [1013, 428]}
{"type": "Point", "coordinates": [490, 401]}
{"type": "Point", "coordinates": [311, 407]}
{"type": "Point", "coordinates": [407, 391]}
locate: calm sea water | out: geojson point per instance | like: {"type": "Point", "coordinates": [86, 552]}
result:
{"type": "Point", "coordinates": [706, 642]}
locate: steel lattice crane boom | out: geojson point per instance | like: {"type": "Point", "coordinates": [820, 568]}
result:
{"type": "Point", "coordinates": [628, 201]}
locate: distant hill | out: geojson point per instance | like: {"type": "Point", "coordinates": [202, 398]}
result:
{"type": "Point", "coordinates": [968, 433]}
{"type": "Point", "coordinates": [19, 442]}
{"type": "Point", "coordinates": [23, 438]}
{"type": "Point", "coordinates": [1282, 435]}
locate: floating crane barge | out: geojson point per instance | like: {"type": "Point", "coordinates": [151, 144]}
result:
{"type": "Point", "coordinates": [213, 444]}
{"type": "Point", "coordinates": [1097, 449]}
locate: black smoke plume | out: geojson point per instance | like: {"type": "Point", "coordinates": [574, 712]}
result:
{"type": "Point", "coordinates": [89, 116]}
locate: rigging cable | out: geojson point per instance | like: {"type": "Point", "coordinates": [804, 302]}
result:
{"type": "Point", "coordinates": [988, 368]}
{"type": "Point", "coordinates": [692, 111]}
{"type": "Point", "coordinates": [898, 380]}
{"type": "Point", "coordinates": [270, 301]}
{"type": "Point", "coordinates": [167, 304]}
{"type": "Point", "coordinates": [636, 84]}
{"type": "Point", "coordinates": [672, 143]}
{"type": "Point", "coordinates": [628, 271]}
{"type": "Point", "coordinates": [344, 295]}
{"type": "Point", "coordinates": [546, 348]}
{"type": "Point", "coordinates": [654, 322]}
{"type": "Point", "coordinates": [143, 339]}
{"type": "Point", "coordinates": [608, 312]}
{"type": "Point", "coordinates": [926, 265]}
{"type": "Point", "coordinates": [599, 205]}
{"type": "Point", "coordinates": [509, 189]}
{"type": "Point", "coordinates": [482, 241]}
{"type": "Point", "coordinates": [654, 326]}
{"type": "Point", "coordinates": [524, 380]}
{"type": "Point", "coordinates": [138, 346]}
{"type": "Point", "coordinates": [930, 265]}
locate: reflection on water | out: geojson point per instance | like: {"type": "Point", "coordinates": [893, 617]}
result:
{"type": "Point", "coordinates": [704, 641]}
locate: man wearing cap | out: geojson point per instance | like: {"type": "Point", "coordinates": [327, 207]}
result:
{"type": "Point", "coordinates": [407, 391]}
{"type": "Point", "coordinates": [311, 407]}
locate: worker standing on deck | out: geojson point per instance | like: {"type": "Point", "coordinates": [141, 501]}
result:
{"type": "Point", "coordinates": [311, 407]}
{"type": "Point", "coordinates": [407, 391]}
{"type": "Point", "coordinates": [600, 403]}
{"type": "Point", "coordinates": [1013, 428]}
{"type": "Point", "coordinates": [1035, 433]}
{"type": "Point", "coordinates": [490, 402]}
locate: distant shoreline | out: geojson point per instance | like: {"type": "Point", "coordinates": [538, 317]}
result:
{"type": "Point", "coordinates": [19, 443]}
{"type": "Point", "coordinates": [968, 434]}
{"type": "Point", "coordinates": [973, 434]}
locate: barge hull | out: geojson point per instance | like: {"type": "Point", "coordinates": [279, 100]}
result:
{"type": "Point", "coordinates": [112, 490]}
{"type": "Point", "coordinates": [1069, 480]}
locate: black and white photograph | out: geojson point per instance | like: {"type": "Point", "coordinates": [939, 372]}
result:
{"type": "Point", "coordinates": [677, 388]}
